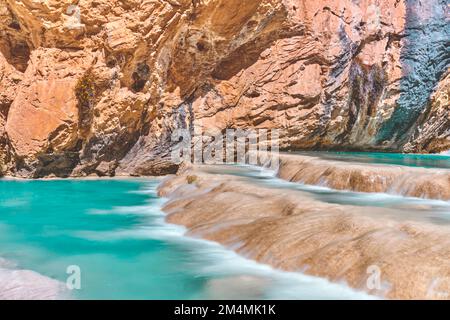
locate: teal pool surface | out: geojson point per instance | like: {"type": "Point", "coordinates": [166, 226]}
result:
{"type": "Point", "coordinates": [411, 160]}
{"type": "Point", "coordinates": [114, 231]}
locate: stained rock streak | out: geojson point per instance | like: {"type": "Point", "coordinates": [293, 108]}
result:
{"type": "Point", "coordinates": [366, 75]}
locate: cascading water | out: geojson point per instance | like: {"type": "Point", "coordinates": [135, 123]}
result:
{"type": "Point", "coordinates": [111, 228]}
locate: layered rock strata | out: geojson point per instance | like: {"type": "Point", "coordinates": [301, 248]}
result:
{"type": "Point", "coordinates": [97, 87]}
{"type": "Point", "coordinates": [291, 231]}
{"type": "Point", "coordinates": [399, 180]}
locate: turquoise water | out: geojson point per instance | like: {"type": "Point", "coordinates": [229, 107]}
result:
{"type": "Point", "coordinates": [411, 160]}
{"type": "Point", "coordinates": [115, 232]}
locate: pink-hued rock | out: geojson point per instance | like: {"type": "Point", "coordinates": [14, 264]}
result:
{"type": "Point", "coordinates": [303, 84]}
{"type": "Point", "coordinates": [17, 284]}
{"type": "Point", "coordinates": [327, 74]}
{"type": "Point", "coordinates": [44, 114]}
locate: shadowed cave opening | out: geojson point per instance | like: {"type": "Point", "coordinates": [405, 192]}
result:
{"type": "Point", "coordinates": [16, 52]}
{"type": "Point", "coordinates": [140, 76]}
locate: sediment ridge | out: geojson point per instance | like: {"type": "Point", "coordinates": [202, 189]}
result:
{"type": "Point", "coordinates": [291, 231]}
{"type": "Point", "coordinates": [427, 183]}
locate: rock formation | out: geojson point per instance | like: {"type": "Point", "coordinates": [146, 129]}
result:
{"type": "Point", "coordinates": [97, 87]}
{"type": "Point", "coordinates": [293, 231]}
{"type": "Point", "coordinates": [398, 180]}
{"type": "Point", "coordinates": [17, 284]}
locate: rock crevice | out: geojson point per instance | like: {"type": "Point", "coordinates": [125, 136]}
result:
{"type": "Point", "coordinates": [366, 75]}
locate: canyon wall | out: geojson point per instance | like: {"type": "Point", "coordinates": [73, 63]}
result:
{"type": "Point", "coordinates": [97, 87]}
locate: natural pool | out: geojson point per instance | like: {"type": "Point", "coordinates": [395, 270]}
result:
{"type": "Point", "coordinates": [114, 231]}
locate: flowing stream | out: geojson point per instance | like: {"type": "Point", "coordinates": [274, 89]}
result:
{"type": "Point", "coordinates": [114, 231]}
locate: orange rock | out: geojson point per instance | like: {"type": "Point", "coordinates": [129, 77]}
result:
{"type": "Point", "coordinates": [44, 114]}
{"type": "Point", "coordinates": [10, 80]}
{"type": "Point", "coordinates": [327, 74]}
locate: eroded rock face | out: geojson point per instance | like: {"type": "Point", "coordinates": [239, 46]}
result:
{"type": "Point", "coordinates": [433, 133]}
{"type": "Point", "coordinates": [98, 87]}
{"type": "Point", "coordinates": [44, 115]}
{"type": "Point", "coordinates": [9, 82]}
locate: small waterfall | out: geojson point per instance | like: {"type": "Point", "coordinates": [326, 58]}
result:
{"type": "Point", "coordinates": [393, 179]}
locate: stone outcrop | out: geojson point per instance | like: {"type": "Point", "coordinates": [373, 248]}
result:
{"type": "Point", "coordinates": [10, 78]}
{"type": "Point", "coordinates": [17, 284]}
{"type": "Point", "coordinates": [434, 130]}
{"type": "Point", "coordinates": [293, 231]}
{"type": "Point", "coordinates": [97, 87]}
{"type": "Point", "coordinates": [44, 117]}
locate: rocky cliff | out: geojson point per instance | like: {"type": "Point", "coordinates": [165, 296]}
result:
{"type": "Point", "coordinates": [97, 87]}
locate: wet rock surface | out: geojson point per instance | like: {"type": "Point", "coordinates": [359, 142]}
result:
{"type": "Point", "coordinates": [16, 284]}
{"type": "Point", "coordinates": [293, 231]}
{"type": "Point", "coordinates": [392, 179]}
